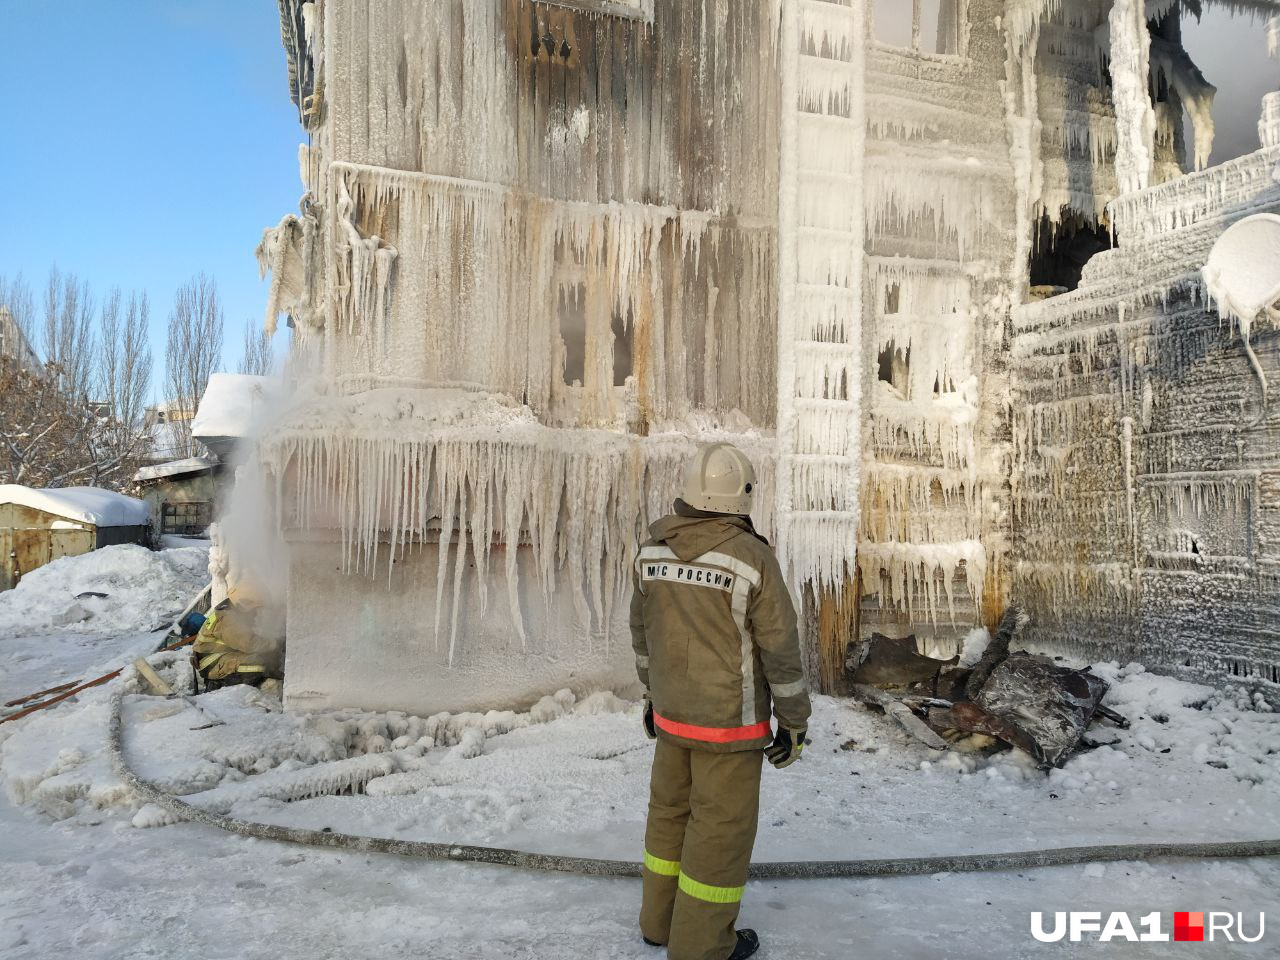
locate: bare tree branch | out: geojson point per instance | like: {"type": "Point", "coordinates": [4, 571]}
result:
{"type": "Point", "coordinates": [257, 358]}
{"type": "Point", "coordinates": [192, 352]}
{"type": "Point", "coordinates": [48, 439]}
{"type": "Point", "coordinates": [68, 333]}
{"type": "Point", "coordinates": [16, 297]}
{"type": "Point", "coordinates": [124, 373]}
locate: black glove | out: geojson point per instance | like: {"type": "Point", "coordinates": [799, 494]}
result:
{"type": "Point", "coordinates": [786, 747]}
{"type": "Point", "coordinates": [649, 730]}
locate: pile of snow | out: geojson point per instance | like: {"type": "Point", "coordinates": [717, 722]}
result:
{"type": "Point", "coordinates": [142, 589]}
{"type": "Point", "coordinates": [93, 505]}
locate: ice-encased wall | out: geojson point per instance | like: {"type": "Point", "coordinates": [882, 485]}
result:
{"type": "Point", "coordinates": [573, 199]}
{"type": "Point", "coordinates": [563, 214]}
{"type": "Point", "coordinates": [683, 220]}
{"type": "Point", "coordinates": [820, 305]}
{"type": "Point", "coordinates": [511, 535]}
{"type": "Point", "coordinates": [1146, 474]}
{"type": "Point", "coordinates": [686, 296]}
{"type": "Point", "coordinates": [941, 214]}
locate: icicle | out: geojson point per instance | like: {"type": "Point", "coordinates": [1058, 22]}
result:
{"type": "Point", "coordinates": [285, 253]}
{"type": "Point", "coordinates": [1195, 93]}
{"type": "Point", "coordinates": [393, 468]}
{"type": "Point", "coordinates": [1130, 71]}
{"type": "Point", "coordinates": [287, 785]}
{"type": "Point", "coordinates": [914, 571]}
{"type": "Point", "coordinates": [826, 30]}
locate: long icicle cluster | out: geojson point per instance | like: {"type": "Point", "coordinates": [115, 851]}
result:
{"type": "Point", "coordinates": [392, 469]}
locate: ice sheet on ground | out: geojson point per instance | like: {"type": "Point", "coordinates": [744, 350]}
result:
{"type": "Point", "coordinates": [571, 775]}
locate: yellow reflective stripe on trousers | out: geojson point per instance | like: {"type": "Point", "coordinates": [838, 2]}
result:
{"type": "Point", "coordinates": [709, 893]}
{"type": "Point", "coordinates": [663, 868]}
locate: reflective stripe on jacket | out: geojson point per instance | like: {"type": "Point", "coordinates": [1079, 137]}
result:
{"type": "Point", "coordinates": [714, 633]}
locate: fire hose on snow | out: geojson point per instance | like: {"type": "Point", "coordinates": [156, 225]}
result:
{"type": "Point", "coordinates": [589, 866]}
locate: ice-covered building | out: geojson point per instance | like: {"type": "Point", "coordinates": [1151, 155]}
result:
{"type": "Point", "coordinates": [546, 246]}
{"type": "Point", "coordinates": [1146, 468]}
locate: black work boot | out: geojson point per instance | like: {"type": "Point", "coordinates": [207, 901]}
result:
{"type": "Point", "coordinates": [748, 943]}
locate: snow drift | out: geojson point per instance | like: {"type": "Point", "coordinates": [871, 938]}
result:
{"type": "Point", "coordinates": [142, 589]}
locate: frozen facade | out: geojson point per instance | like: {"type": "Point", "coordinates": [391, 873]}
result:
{"type": "Point", "coordinates": [1146, 469]}
{"type": "Point", "coordinates": [547, 247]}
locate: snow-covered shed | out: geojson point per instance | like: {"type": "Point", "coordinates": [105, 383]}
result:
{"type": "Point", "coordinates": [181, 494]}
{"type": "Point", "coordinates": [546, 246]}
{"type": "Point", "coordinates": [37, 526]}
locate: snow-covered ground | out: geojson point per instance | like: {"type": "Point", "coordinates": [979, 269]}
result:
{"type": "Point", "coordinates": [84, 616]}
{"type": "Point", "coordinates": [91, 874]}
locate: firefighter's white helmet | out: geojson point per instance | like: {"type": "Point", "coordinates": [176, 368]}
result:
{"type": "Point", "coordinates": [719, 479]}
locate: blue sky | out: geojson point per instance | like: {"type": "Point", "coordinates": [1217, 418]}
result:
{"type": "Point", "coordinates": [144, 141]}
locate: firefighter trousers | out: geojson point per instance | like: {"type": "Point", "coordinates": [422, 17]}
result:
{"type": "Point", "coordinates": [703, 809]}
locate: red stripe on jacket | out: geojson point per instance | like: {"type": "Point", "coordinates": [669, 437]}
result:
{"type": "Point", "coordinates": [691, 731]}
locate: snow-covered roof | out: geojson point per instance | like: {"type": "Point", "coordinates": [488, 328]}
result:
{"type": "Point", "coordinates": [102, 508]}
{"type": "Point", "coordinates": [174, 468]}
{"type": "Point", "coordinates": [232, 404]}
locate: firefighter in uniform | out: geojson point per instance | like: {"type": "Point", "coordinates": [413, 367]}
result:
{"type": "Point", "coordinates": [716, 647]}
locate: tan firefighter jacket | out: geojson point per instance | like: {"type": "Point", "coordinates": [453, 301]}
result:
{"type": "Point", "coordinates": [714, 633]}
{"type": "Point", "coordinates": [232, 641]}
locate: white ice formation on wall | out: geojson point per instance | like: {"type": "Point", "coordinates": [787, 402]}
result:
{"type": "Point", "coordinates": [391, 469]}
{"type": "Point", "coordinates": [546, 249]}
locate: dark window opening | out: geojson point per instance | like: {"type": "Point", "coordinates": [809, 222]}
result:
{"type": "Point", "coordinates": [892, 298]}
{"type": "Point", "coordinates": [622, 362]}
{"type": "Point", "coordinates": [894, 366]}
{"type": "Point", "coordinates": [573, 335]}
{"type": "Point", "coordinates": [1060, 251]}
{"type": "Point", "coordinates": [573, 331]}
